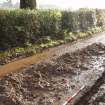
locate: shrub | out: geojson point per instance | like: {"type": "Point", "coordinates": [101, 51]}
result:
{"type": "Point", "coordinates": [19, 27]}
{"type": "Point", "coordinates": [100, 15]}
{"type": "Point", "coordinates": [70, 21]}
{"type": "Point", "coordinates": [87, 19]}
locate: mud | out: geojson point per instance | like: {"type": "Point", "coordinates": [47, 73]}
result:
{"type": "Point", "coordinates": [51, 81]}
{"type": "Point", "coordinates": [59, 50]}
{"type": "Point", "coordinates": [7, 59]}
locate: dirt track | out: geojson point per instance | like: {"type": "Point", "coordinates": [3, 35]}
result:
{"type": "Point", "coordinates": [51, 81]}
{"type": "Point", "coordinates": [57, 51]}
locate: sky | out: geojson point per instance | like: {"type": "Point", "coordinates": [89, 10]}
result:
{"type": "Point", "coordinates": [75, 4]}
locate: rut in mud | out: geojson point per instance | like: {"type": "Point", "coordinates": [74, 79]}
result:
{"type": "Point", "coordinates": [50, 82]}
{"type": "Point", "coordinates": [86, 99]}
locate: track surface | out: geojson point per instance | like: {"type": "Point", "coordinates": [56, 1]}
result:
{"type": "Point", "coordinates": [59, 73]}
{"type": "Point", "coordinates": [57, 51]}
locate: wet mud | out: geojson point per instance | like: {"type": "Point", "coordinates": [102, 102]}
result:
{"type": "Point", "coordinates": [52, 81]}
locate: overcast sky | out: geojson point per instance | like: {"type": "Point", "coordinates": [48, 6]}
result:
{"type": "Point", "coordinates": [71, 3]}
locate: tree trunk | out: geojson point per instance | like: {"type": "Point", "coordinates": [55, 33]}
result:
{"type": "Point", "coordinates": [31, 4]}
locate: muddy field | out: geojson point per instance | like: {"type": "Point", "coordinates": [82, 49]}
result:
{"type": "Point", "coordinates": [50, 82]}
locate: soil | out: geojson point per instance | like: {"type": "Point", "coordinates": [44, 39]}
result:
{"type": "Point", "coordinates": [51, 81]}
{"type": "Point", "coordinates": [8, 59]}
{"type": "Point", "coordinates": [51, 53]}
{"type": "Point", "coordinates": [88, 40]}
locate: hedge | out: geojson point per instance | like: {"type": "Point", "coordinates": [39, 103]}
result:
{"type": "Point", "coordinates": [19, 27]}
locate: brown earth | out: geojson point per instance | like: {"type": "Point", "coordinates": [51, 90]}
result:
{"type": "Point", "coordinates": [41, 81]}
{"type": "Point", "coordinates": [57, 51]}
{"type": "Point", "coordinates": [51, 81]}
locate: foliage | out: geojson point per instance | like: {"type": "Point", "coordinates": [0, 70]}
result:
{"type": "Point", "coordinates": [100, 15]}
{"type": "Point", "coordinates": [70, 20]}
{"type": "Point", "coordinates": [17, 27]}
{"type": "Point", "coordinates": [22, 28]}
{"type": "Point", "coordinates": [47, 42]}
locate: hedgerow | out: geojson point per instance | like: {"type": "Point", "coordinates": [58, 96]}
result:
{"type": "Point", "coordinates": [19, 27]}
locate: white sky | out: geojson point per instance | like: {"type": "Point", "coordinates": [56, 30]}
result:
{"type": "Point", "coordinates": [75, 4]}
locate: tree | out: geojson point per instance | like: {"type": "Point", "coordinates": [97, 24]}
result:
{"type": "Point", "coordinates": [31, 4]}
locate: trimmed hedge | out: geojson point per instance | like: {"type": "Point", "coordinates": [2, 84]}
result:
{"type": "Point", "coordinates": [19, 27]}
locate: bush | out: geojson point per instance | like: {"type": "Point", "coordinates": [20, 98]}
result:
{"type": "Point", "coordinates": [100, 15]}
{"type": "Point", "coordinates": [19, 27]}
{"type": "Point", "coordinates": [87, 19]}
{"type": "Point", "coordinates": [69, 20]}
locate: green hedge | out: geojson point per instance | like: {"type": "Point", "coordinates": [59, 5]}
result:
{"type": "Point", "coordinates": [19, 27]}
{"type": "Point", "coordinates": [70, 21]}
